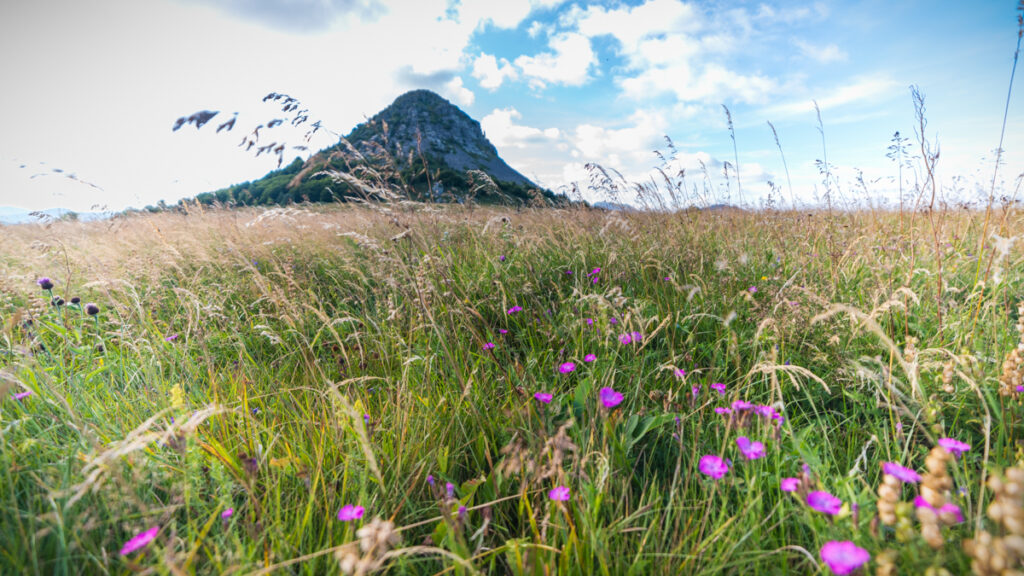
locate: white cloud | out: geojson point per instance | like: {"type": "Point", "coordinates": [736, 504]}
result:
{"type": "Point", "coordinates": [633, 25]}
{"type": "Point", "coordinates": [713, 83]}
{"type": "Point", "coordinates": [501, 129]}
{"type": "Point", "coordinates": [621, 148]}
{"type": "Point", "coordinates": [491, 72]}
{"type": "Point", "coordinates": [456, 91]}
{"type": "Point", "coordinates": [568, 63]}
{"type": "Point", "coordinates": [862, 90]}
{"type": "Point", "coordinates": [823, 54]}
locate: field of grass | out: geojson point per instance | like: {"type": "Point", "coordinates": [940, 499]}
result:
{"type": "Point", "coordinates": [359, 389]}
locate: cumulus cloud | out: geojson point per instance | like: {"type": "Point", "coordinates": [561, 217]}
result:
{"type": "Point", "coordinates": [491, 72]}
{"type": "Point", "coordinates": [298, 15]}
{"type": "Point", "coordinates": [824, 54]}
{"type": "Point", "coordinates": [567, 63]}
{"type": "Point", "coordinates": [502, 130]}
{"type": "Point", "coordinates": [456, 91]}
{"type": "Point", "coordinates": [621, 147]}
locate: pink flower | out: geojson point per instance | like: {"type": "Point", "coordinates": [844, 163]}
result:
{"type": "Point", "coordinates": [594, 271]}
{"type": "Point", "coordinates": [590, 321]}
{"type": "Point", "coordinates": [227, 513]}
{"type": "Point", "coordinates": [139, 541]}
{"type": "Point", "coordinates": [22, 395]}
{"type": "Point", "coordinates": [696, 391]}
{"type": "Point", "coordinates": [349, 513]}
{"type": "Point", "coordinates": [171, 338]}
{"type": "Point", "coordinates": [625, 338]}
{"type": "Point", "coordinates": [589, 358]}
{"type": "Point", "coordinates": [711, 465]}
{"type": "Point", "coordinates": [824, 502]}
{"type": "Point", "coordinates": [951, 510]}
{"type": "Point", "coordinates": [566, 368]}
{"type": "Point", "coordinates": [752, 289]}
{"type": "Point", "coordinates": [489, 346]}
{"type": "Point", "coordinates": [843, 557]}
{"type": "Point", "coordinates": [789, 484]}
{"type": "Point", "coordinates": [543, 397]}
{"type": "Point", "coordinates": [502, 331]}
{"type": "Point", "coordinates": [515, 309]}
{"type": "Point", "coordinates": [722, 410]}
{"type": "Point", "coordinates": [680, 373]}
{"type": "Point", "coordinates": [741, 406]}
{"type": "Point", "coordinates": [559, 493]}
{"type": "Point", "coordinates": [719, 387]}
{"type": "Point", "coordinates": [955, 447]}
{"type": "Point", "coordinates": [750, 450]}
{"type": "Point", "coordinates": [610, 398]}
{"type": "Point", "coordinates": [637, 337]}
{"type": "Point", "coordinates": [900, 473]}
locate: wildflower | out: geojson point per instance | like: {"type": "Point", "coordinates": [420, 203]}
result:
{"type": "Point", "coordinates": [568, 272]}
{"type": "Point", "coordinates": [614, 320]}
{"type": "Point", "coordinates": [489, 346]}
{"type": "Point", "coordinates": [22, 395]}
{"type": "Point", "coordinates": [900, 473]}
{"type": "Point", "coordinates": [955, 447]}
{"type": "Point", "coordinates": [711, 465]}
{"type": "Point", "coordinates": [590, 358]}
{"type": "Point", "coordinates": [594, 281]}
{"type": "Point", "coordinates": [741, 406]}
{"type": "Point", "coordinates": [514, 309]}
{"type": "Point", "coordinates": [366, 418]}
{"type": "Point", "coordinates": [92, 309]}
{"type": "Point", "coordinates": [750, 450]}
{"type": "Point", "coordinates": [590, 321]}
{"type": "Point", "coordinates": [722, 410]}
{"type": "Point", "coordinates": [789, 484]}
{"type": "Point", "coordinates": [566, 368]}
{"type": "Point", "coordinates": [625, 338]}
{"type": "Point", "coordinates": [430, 479]}
{"type": "Point", "coordinates": [139, 541]}
{"type": "Point", "coordinates": [843, 557]}
{"type": "Point", "coordinates": [502, 331]}
{"type": "Point", "coordinates": [349, 513]}
{"type": "Point", "coordinates": [543, 397]}
{"type": "Point", "coordinates": [668, 278]}
{"type": "Point", "coordinates": [719, 387]}
{"type": "Point", "coordinates": [824, 502]}
{"type": "Point", "coordinates": [449, 489]}
{"type": "Point", "coordinates": [76, 300]}
{"type": "Point", "coordinates": [227, 513]}
{"type": "Point", "coordinates": [501, 258]}
{"type": "Point", "coordinates": [594, 271]}
{"type": "Point", "coordinates": [559, 493]}
{"type": "Point", "coordinates": [696, 391]}
{"type": "Point", "coordinates": [950, 513]}
{"type": "Point", "coordinates": [610, 398]}
{"type": "Point", "coordinates": [171, 338]}
{"type": "Point", "coordinates": [637, 337]}
{"type": "Point", "coordinates": [45, 283]}
{"type": "Point", "coordinates": [680, 373]}
{"type": "Point", "coordinates": [752, 289]}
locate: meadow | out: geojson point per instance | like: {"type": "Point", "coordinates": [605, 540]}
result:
{"type": "Point", "coordinates": [417, 389]}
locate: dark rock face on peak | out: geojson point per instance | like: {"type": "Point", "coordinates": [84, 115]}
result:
{"type": "Point", "coordinates": [421, 147]}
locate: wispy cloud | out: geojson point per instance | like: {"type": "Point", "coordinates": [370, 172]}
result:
{"type": "Point", "coordinates": [863, 90]}
{"type": "Point", "coordinates": [824, 54]}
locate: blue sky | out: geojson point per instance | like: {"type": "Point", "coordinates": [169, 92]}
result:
{"type": "Point", "coordinates": [96, 86]}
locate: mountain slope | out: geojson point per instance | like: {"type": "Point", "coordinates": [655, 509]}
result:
{"type": "Point", "coordinates": [420, 147]}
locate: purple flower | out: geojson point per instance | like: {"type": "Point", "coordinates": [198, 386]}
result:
{"type": "Point", "coordinates": [449, 489]}
{"type": "Point", "coordinates": [637, 337]}
{"type": "Point", "coordinates": [559, 493]}
{"type": "Point", "coordinates": [711, 465]}
{"type": "Point", "coordinates": [614, 320]}
{"type": "Point", "coordinates": [92, 309]}
{"type": "Point", "coordinates": [680, 373]}
{"type": "Point", "coordinates": [430, 479]}
{"type": "Point", "coordinates": [590, 321]}
{"type": "Point", "coordinates": [568, 271]}
{"type": "Point", "coordinates": [45, 283]}
{"type": "Point", "coordinates": [502, 331]}
{"type": "Point", "coordinates": [566, 368]}
{"type": "Point", "coordinates": [722, 410]}
{"type": "Point", "coordinates": [750, 450]}
{"type": "Point", "coordinates": [349, 513]}
{"type": "Point", "coordinates": [22, 395]}
{"type": "Point", "coordinates": [950, 509]}
{"type": "Point", "coordinates": [843, 557]}
{"type": "Point", "coordinates": [139, 541]}
{"type": "Point", "coordinates": [741, 406]}
{"type": "Point", "coordinates": [752, 289]}
{"type": "Point", "coordinates": [515, 309]}
{"type": "Point", "coordinates": [955, 447]}
{"type": "Point", "coordinates": [610, 398]}
{"type": "Point", "coordinates": [594, 271]}
{"type": "Point", "coordinates": [625, 338]}
{"type": "Point", "coordinates": [171, 338]}
{"type": "Point", "coordinates": [489, 346]}
{"type": "Point", "coordinates": [543, 397]}
{"type": "Point", "coordinates": [900, 473]}
{"type": "Point", "coordinates": [589, 358]}
{"type": "Point", "coordinates": [501, 258]}
{"type": "Point", "coordinates": [824, 502]}
{"type": "Point", "coordinates": [1020, 387]}
{"type": "Point", "coordinates": [461, 513]}
{"type": "Point", "coordinates": [696, 391]}
{"type": "Point", "coordinates": [227, 513]}
{"type": "Point", "coordinates": [789, 484]}
{"type": "Point", "coordinates": [719, 387]}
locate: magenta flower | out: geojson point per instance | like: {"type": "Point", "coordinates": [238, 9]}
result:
{"type": "Point", "coordinates": [625, 338]}
{"type": "Point", "coordinates": [614, 320]}
{"type": "Point", "coordinates": [824, 502]}
{"type": "Point", "coordinates": [750, 450]}
{"type": "Point", "coordinates": [227, 513]}
{"type": "Point", "coordinates": [594, 271]}
{"type": "Point", "coordinates": [843, 557]}
{"type": "Point", "coordinates": [489, 346]}
{"type": "Point", "coordinates": [680, 373]}
{"type": "Point", "coordinates": [171, 338]}
{"type": "Point", "coordinates": [610, 398]}
{"type": "Point", "coordinates": [711, 465]}
{"type": "Point", "coordinates": [637, 337]}
{"type": "Point", "coordinates": [501, 258]}
{"type": "Point", "coordinates": [719, 387]}
{"type": "Point", "coordinates": [951, 509]}
{"type": "Point", "coordinates": [722, 410]}
{"type": "Point", "coordinates": [543, 397]}
{"type": "Point", "coordinates": [566, 368]}
{"type": "Point", "coordinates": [22, 395]}
{"type": "Point", "coordinates": [753, 289]}
{"type": "Point", "coordinates": [789, 484]}
{"type": "Point", "coordinates": [955, 447]}
{"type": "Point", "coordinates": [900, 473]}
{"type": "Point", "coordinates": [696, 391]}
{"type": "Point", "coordinates": [589, 358]}
{"type": "Point", "coordinates": [502, 331]}
{"type": "Point", "coordinates": [349, 513]}
{"type": "Point", "coordinates": [515, 309]}
{"type": "Point", "coordinates": [45, 283]}
{"type": "Point", "coordinates": [139, 541]}
{"type": "Point", "coordinates": [590, 321]}
{"type": "Point", "coordinates": [741, 406]}
{"type": "Point", "coordinates": [766, 412]}
{"type": "Point", "coordinates": [559, 493]}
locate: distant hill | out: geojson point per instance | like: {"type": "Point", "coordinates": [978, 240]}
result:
{"type": "Point", "coordinates": [15, 215]}
{"type": "Point", "coordinates": [421, 147]}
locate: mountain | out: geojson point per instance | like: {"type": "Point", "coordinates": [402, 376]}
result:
{"type": "Point", "coordinates": [421, 147]}
{"type": "Point", "coordinates": [15, 215]}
